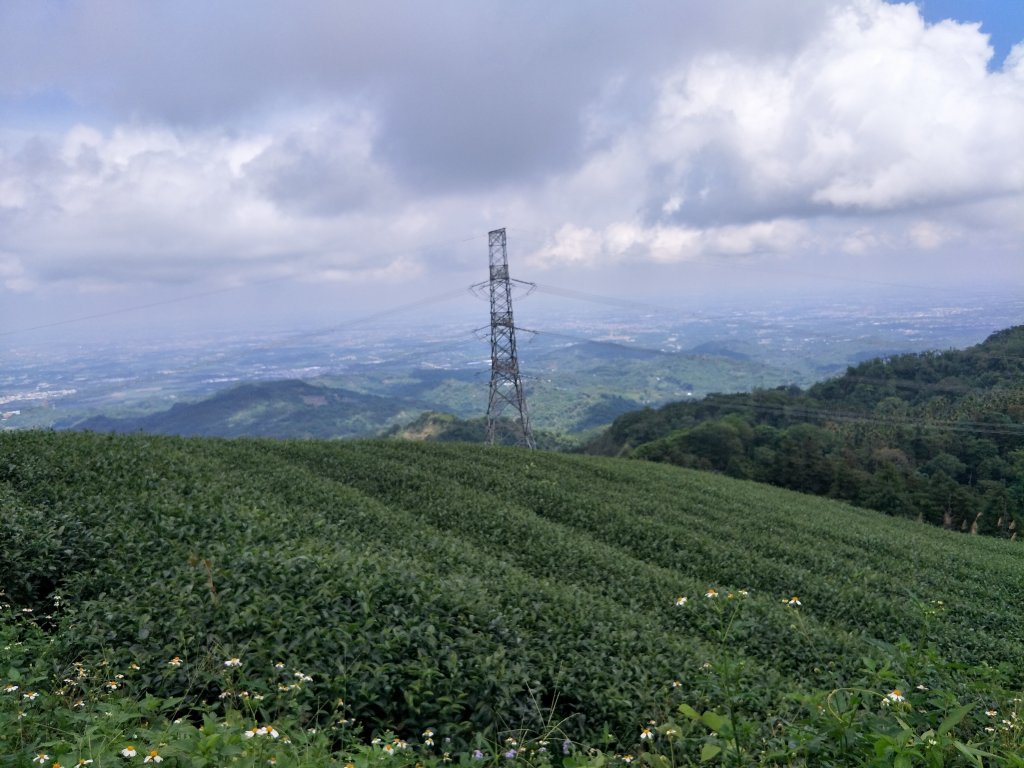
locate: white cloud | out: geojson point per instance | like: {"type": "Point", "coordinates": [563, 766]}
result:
{"type": "Point", "coordinates": [856, 242]}
{"type": "Point", "coordinates": [928, 235]}
{"type": "Point", "coordinates": [321, 165]}
{"type": "Point", "coordinates": [154, 204]}
{"type": "Point", "coordinates": [12, 274]}
{"type": "Point", "coordinates": [625, 242]}
{"type": "Point", "coordinates": [879, 113]}
{"type": "Point", "coordinates": [847, 127]}
{"type": "Point", "coordinates": [673, 204]}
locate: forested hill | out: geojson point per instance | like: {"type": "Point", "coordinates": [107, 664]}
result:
{"type": "Point", "coordinates": [937, 436]}
{"type": "Point", "coordinates": [285, 409]}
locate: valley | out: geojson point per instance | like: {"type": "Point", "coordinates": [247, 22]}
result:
{"type": "Point", "coordinates": [581, 368]}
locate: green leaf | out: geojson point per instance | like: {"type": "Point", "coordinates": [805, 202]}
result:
{"type": "Point", "coordinates": [972, 753]}
{"type": "Point", "coordinates": [709, 752]}
{"type": "Point", "coordinates": [953, 718]}
{"type": "Point", "coordinates": [714, 721]}
{"type": "Point", "coordinates": [688, 711]}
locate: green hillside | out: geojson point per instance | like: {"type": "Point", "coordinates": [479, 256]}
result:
{"type": "Point", "coordinates": [445, 428]}
{"type": "Point", "coordinates": [573, 389]}
{"type": "Point", "coordinates": [477, 591]}
{"type": "Point", "coordinates": [935, 436]}
{"type": "Point", "coordinates": [288, 409]}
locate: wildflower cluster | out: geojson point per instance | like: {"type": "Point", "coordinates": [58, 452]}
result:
{"type": "Point", "coordinates": [390, 746]}
{"type": "Point", "coordinates": [1008, 724]}
{"type": "Point", "coordinates": [895, 696]}
{"type": "Point", "coordinates": [262, 730]}
{"type": "Point", "coordinates": [712, 593]}
{"type": "Point", "coordinates": [242, 706]}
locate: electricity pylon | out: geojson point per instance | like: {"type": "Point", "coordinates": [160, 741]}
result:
{"type": "Point", "coordinates": [506, 386]}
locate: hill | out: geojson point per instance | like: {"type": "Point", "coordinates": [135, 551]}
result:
{"type": "Point", "coordinates": [286, 409]}
{"type": "Point", "coordinates": [936, 436]}
{"type": "Point", "coordinates": [445, 428]}
{"type": "Point", "coordinates": [477, 591]}
{"type": "Point", "coordinates": [573, 389]}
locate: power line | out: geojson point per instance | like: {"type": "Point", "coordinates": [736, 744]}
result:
{"type": "Point", "coordinates": [294, 338]}
{"type": "Point", "coordinates": [822, 414]}
{"type": "Point", "coordinates": [647, 306]}
{"type": "Point", "coordinates": [892, 382]}
{"type": "Point", "coordinates": [570, 293]}
{"type": "Point", "coordinates": [216, 292]}
{"type": "Point", "coordinates": [136, 308]}
{"type": "Point", "coordinates": [619, 301]}
{"type": "Point", "coordinates": [447, 295]}
{"type": "Point", "coordinates": [401, 308]}
{"type": "Point", "coordinates": [736, 401]}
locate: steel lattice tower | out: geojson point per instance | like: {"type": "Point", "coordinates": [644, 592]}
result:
{"type": "Point", "coordinates": [506, 386]}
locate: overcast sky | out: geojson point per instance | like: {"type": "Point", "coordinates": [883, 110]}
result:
{"type": "Point", "coordinates": [290, 162]}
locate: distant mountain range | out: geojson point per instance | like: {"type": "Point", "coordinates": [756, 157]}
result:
{"type": "Point", "coordinates": [938, 436]}
{"type": "Point", "coordinates": [286, 409]}
{"type": "Point", "coordinates": [572, 390]}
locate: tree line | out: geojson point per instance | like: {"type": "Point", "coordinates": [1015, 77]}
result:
{"type": "Point", "coordinates": [936, 436]}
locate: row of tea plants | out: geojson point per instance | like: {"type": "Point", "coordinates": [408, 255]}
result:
{"type": "Point", "coordinates": [483, 595]}
{"type": "Point", "coordinates": [58, 714]}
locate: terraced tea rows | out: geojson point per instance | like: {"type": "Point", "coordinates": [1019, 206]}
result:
{"type": "Point", "coordinates": [471, 590]}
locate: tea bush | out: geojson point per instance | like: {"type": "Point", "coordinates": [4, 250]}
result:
{"type": "Point", "coordinates": [484, 594]}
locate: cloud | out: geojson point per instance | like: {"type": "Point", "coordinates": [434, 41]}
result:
{"type": "Point", "coordinates": [223, 143]}
{"type": "Point", "coordinates": [12, 274]}
{"type": "Point", "coordinates": [322, 167]}
{"type": "Point", "coordinates": [623, 242]}
{"type": "Point", "coordinates": [878, 114]}
{"type": "Point", "coordinates": [929, 234]}
{"type": "Point", "coordinates": [157, 205]}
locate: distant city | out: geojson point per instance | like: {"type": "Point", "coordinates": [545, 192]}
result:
{"type": "Point", "coordinates": [572, 348]}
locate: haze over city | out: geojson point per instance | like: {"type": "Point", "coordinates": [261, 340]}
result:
{"type": "Point", "coordinates": [254, 165]}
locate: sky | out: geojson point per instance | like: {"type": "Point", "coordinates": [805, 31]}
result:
{"type": "Point", "coordinates": [247, 164]}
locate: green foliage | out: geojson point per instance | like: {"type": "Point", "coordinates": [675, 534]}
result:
{"type": "Point", "coordinates": [291, 409]}
{"type": "Point", "coordinates": [481, 593]}
{"type": "Point", "coordinates": [931, 436]}
{"type": "Point", "coordinates": [445, 428]}
{"type": "Point", "coordinates": [572, 390]}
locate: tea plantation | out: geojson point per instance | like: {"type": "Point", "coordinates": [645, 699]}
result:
{"type": "Point", "coordinates": [210, 602]}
